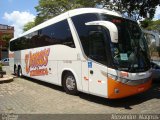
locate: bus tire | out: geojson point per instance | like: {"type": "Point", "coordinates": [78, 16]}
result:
{"type": "Point", "coordinates": [19, 72]}
{"type": "Point", "coordinates": [69, 84]}
{"type": "Point", "coordinates": [15, 71]}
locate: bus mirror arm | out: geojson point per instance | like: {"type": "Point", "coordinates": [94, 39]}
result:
{"type": "Point", "coordinates": [110, 26]}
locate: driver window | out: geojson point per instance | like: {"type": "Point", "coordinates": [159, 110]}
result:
{"type": "Point", "coordinates": [97, 46]}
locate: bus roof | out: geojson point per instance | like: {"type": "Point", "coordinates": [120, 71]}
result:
{"type": "Point", "coordinates": [65, 15]}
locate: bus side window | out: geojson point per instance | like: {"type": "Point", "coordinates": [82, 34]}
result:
{"type": "Point", "coordinates": [82, 30]}
{"type": "Point", "coordinates": [58, 33]}
{"type": "Point", "coordinates": [95, 40]}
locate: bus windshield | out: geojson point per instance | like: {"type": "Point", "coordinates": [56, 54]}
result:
{"type": "Point", "coordinates": [131, 52]}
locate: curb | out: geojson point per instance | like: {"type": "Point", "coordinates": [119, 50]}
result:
{"type": "Point", "coordinates": [6, 78]}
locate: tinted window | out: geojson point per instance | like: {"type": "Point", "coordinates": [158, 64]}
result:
{"type": "Point", "coordinates": [58, 33]}
{"type": "Point", "coordinates": [83, 30]}
{"type": "Point", "coordinates": [94, 39]}
{"type": "Point", "coordinates": [97, 46]}
{"type": "Point", "coordinates": [15, 45]}
{"type": "Point", "coordinates": [32, 40]}
{"type": "Point", "coordinates": [131, 43]}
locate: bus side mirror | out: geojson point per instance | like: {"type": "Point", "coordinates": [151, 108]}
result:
{"type": "Point", "coordinates": [110, 26]}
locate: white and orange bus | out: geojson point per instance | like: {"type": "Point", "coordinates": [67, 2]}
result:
{"type": "Point", "coordinates": [90, 50]}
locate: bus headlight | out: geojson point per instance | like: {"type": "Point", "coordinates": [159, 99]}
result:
{"type": "Point", "coordinates": [122, 80]}
{"type": "Point", "coordinates": [116, 78]}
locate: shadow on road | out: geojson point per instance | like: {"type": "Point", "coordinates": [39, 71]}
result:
{"type": "Point", "coordinates": [56, 87]}
{"type": "Point", "coordinates": [152, 93]}
{"type": "Point", "coordinates": [6, 81]}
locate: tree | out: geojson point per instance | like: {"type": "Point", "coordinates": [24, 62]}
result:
{"type": "Point", "coordinates": [150, 25]}
{"type": "Point", "coordinates": [6, 38]}
{"type": "Point", "coordinates": [51, 8]}
{"type": "Point", "coordinates": [154, 25]}
{"type": "Point", "coordinates": [145, 23]}
{"type": "Point", "coordinates": [28, 26]}
{"type": "Point", "coordinates": [133, 8]}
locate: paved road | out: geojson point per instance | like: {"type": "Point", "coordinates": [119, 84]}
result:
{"type": "Point", "coordinates": [24, 95]}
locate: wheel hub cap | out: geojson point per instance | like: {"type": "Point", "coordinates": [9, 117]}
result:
{"type": "Point", "coordinates": [70, 83]}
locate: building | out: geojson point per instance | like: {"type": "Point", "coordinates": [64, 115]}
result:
{"type": "Point", "coordinates": [5, 30]}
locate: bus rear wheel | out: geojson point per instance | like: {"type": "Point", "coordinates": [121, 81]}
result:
{"type": "Point", "coordinates": [19, 72]}
{"type": "Point", "coordinates": [69, 84]}
{"type": "Point", "coordinates": [15, 70]}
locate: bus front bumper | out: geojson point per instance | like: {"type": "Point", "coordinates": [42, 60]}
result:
{"type": "Point", "coordinates": [120, 90]}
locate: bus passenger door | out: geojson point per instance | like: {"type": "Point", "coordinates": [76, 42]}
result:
{"type": "Point", "coordinates": [97, 79]}
{"type": "Point", "coordinates": [85, 76]}
{"type": "Point", "coordinates": [97, 64]}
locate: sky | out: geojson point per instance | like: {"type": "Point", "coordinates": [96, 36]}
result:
{"type": "Point", "coordinates": [19, 12]}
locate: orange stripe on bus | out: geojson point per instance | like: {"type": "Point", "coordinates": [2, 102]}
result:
{"type": "Point", "coordinates": [85, 78]}
{"type": "Point", "coordinates": [99, 81]}
{"type": "Point", "coordinates": [125, 90]}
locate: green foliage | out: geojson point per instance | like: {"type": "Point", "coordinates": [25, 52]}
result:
{"type": "Point", "coordinates": [145, 23]}
{"type": "Point", "coordinates": [28, 26]}
{"type": "Point", "coordinates": [7, 38]}
{"type": "Point", "coordinates": [51, 8]}
{"type": "Point", "coordinates": [151, 25]}
{"type": "Point", "coordinates": [154, 25]}
{"type": "Point", "coordinates": [134, 8]}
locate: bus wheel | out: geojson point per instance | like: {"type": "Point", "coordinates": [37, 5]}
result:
{"type": "Point", "coordinates": [69, 84]}
{"type": "Point", "coordinates": [19, 72]}
{"type": "Point", "coordinates": [15, 71]}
